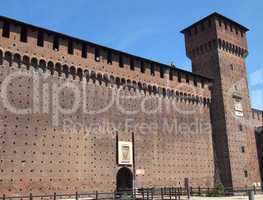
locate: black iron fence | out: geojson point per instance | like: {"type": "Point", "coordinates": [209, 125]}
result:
{"type": "Point", "coordinates": [142, 194]}
{"type": "Point", "coordinates": [163, 193]}
{"type": "Point", "coordinates": [225, 191]}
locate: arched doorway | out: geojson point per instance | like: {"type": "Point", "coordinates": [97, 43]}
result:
{"type": "Point", "coordinates": [124, 179]}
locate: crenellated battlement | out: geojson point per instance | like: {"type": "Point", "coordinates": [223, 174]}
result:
{"type": "Point", "coordinates": [257, 116]}
{"type": "Point", "coordinates": [100, 78]}
{"type": "Point", "coordinates": [49, 46]}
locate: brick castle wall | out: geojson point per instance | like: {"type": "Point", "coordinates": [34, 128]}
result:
{"type": "Point", "coordinates": [45, 151]}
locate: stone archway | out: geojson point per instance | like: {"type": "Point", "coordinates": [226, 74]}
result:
{"type": "Point", "coordinates": [124, 179]}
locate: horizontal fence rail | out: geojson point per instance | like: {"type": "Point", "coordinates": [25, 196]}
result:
{"type": "Point", "coordinates": [162, 193]}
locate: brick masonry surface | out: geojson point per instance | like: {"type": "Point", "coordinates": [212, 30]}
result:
{"type": "Point", "coordinates": [45, 150]}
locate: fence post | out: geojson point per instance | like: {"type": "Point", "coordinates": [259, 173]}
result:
{"type": "Point", "coordinates": [199, 191]}
{"type": "Point", "coordinates": [143, 193]}
{"type": "Point", "coordinates": [255, 189]}
{"type": "Point", "coordinates": [3, 196]}
{"type": "Point", "coordinates": [55, 196]}
{"type": "Point", "coordinates": [147, 191]}
{"type": "Point", "coordinates": [96, 195]}
{"type": "Point", "coordinates": [30, 196]}
{"type": "Point", "coordinates": [161, 193]}
{"type": "Point", "coordinates": [77, 196]}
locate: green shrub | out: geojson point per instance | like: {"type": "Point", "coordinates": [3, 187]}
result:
{"type": "Point", "coordinates": [218, 191]}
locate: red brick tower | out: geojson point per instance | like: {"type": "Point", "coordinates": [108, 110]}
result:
{"type": "Point", "coordinates": [217, 47]}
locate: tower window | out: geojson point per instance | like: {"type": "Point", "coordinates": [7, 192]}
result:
{"type": "Point", "coordinates": [220, 23]}
{"type": "Point", "coordinates": [23, 34]}
{"type": "Point", "coordinates": [70, 47]}
{"type": "Point", "coordinates": [171, 75]}
{"type": "Point", "coordinates": [236, 31]}
{"type": "Point", "coordinates": [120, 61]}
{"type": "Point", "coordinates": [161, 72]}
{"type": "Point", "coordinates": [187, 78]}
{"type": "Point", "coordinates": [131, 64]}
{"type": "Point", "coordinates": [209, 23]}
{"type": "Point", "coordinates": [97, 54]}
{"type": "Point", "coordinates": [40, 39]}
{"type": "Point", "coordinates": [189, 33]}
{"type": "Point", "coordinates": [6, 30]}
{"type": "Point", "coordinates": [246, 173]}
{"type": "Point", "coordinates": [240, 128]}
{"type": "Point", "coordinates": [202, 27]}
{"type": "Point", "coordinates": [109, 57]}
{"type": "Point", "coordinates": [195, 29]}
{"type": "Point", "coordinates": [225, 25]}
{"type": "Point", "coordinates": [242, 149]}
{"type": "Point", "coordinates": [142, 67]}
{"type": "Point", "coordinates": [231, 28]}
{"type": "Point", "coordinates": [232, 67]}
{"type": "Point", "coordinates": [179, 77]}
{"type": "Point", "coordinates": [242, 34]}
{"type": "Point", "coordinates": [84, 51]}
{"type": "Point", "coordinates": [56, 43]}
{"type": "Point", "coordinates": [152, 69]}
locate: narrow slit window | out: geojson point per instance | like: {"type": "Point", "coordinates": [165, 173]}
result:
{"type": "Point", "coordinates": [209, 23]}
{"type": "Point", "coordinates": [97, 54]}
{"type": "Point", "coordinates": [84, 51]}
{"type": "Point", "coordinates": [70, 47]}
{"type": "Point", "coordinates": [6, 30]}
{"type": "Point", "coordinates": [131, 64]}
{"type": "Point", "coordinates": [187, 78]}
{"type": "Point", "coordinates": [202, 27]}
{"type": "Point", "coordinates": [142, 67]}
{"type": "Point", "coordinates": [109, 57]}
{"type": "Point", "coordinates": [161, 72]}
{"type": "Point", "coordinates": [171, 75]}
{"type": "Point", "coordinates": [246, 173]}
{"type": "Point", "coordinates": [152, 69]}
{"type": "Point", "coordinates": [40, 39]}
{"type": "Point", "coordinates": [23, 34]}
{"type": "Point", "coordinates": [56, 43]}
{"type": "Point", "coordinates": [179, 77]}
{"type": "Point", "coordinates": [120, 61]}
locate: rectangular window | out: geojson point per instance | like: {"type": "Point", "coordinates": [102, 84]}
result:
{"type": "Point", "coordinates": [152, 69]}
{"type": "Point", "coordinates": [70, 47]}
{"type": "Point", "coordinates": [190, 33]}
{"type": "Point", "coordinates": [109, 57]}
{"type": "Point", "coordinates": [202, 27]}
{"type": "Point", "coordinates": [120, 61]}
{"type": "Point", "coordinates": [56, 43]}
{"type": "Point", "coordinates": [187, 79]}
{"type": "Point", "coordinates": [40, 39]}
{"type": "Point", "coordinates": [195, 82]}
{"type": "Point", "coordinates": [179, 77]}
{"type": "Point", "coordinates": [132, 64]}
{"type": "Point", "coordinates": [23, 34]}
{"type": "Point", "coordinates": [240, 127]}
{"type": "Point", "coordinates": [242, 149]}
{"type": "Point", "coordinates": [6, 30]}
{"type": "Point", "coordinates": [171, 75]}
{"type": "Point", "coordinates": [209, 23]}
{"type": "Point", "coordinates": [97, 54]}
{"type": "Point", "coordinates": [220, 23]}
{"type": "Point", "coordinates": [231, 28]}
{"type": "Point", "coordinates": [161, 72]}
{"type": "Point", "coordinates": [84, 51]}
{"type": "Point", "coordinates": [142, 67]}
{"type": "Point", "coordinates": [196, 31]}
{"type": "Point", "coordinates": [246, 173]}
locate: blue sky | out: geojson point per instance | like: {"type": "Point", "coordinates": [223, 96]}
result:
{"type": "Point", "coordinates": [148, 28]}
